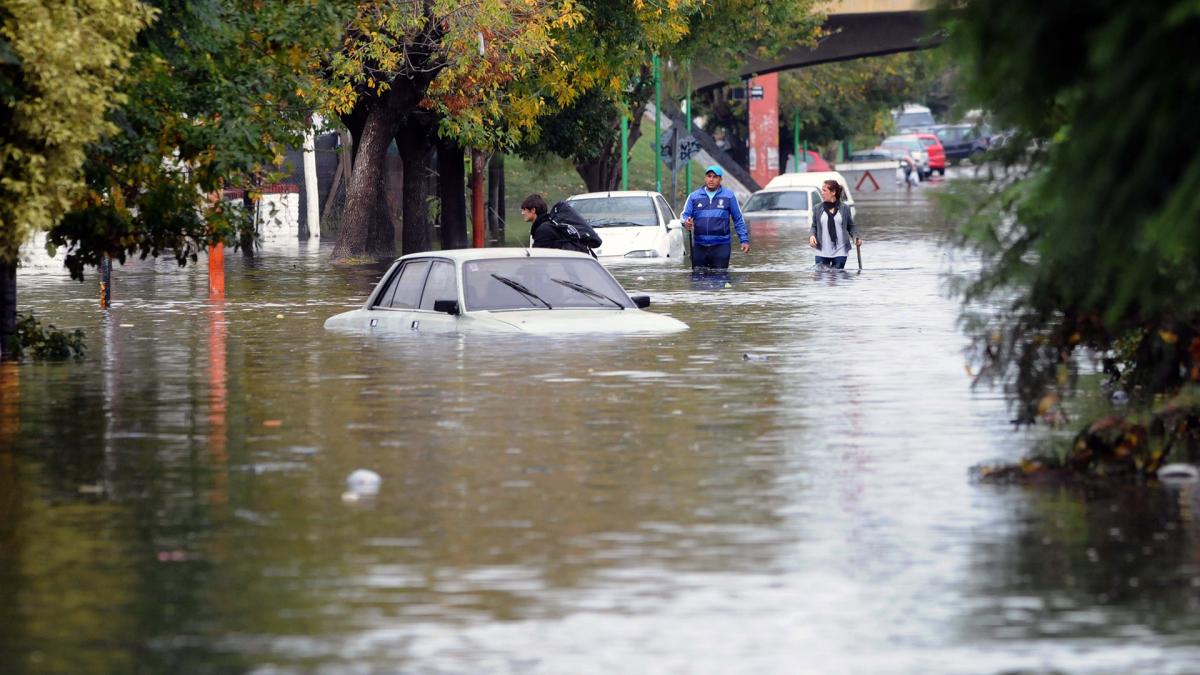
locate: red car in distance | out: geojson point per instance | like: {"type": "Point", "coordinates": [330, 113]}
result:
{"type": "Point", "coordinates": [937, 153]}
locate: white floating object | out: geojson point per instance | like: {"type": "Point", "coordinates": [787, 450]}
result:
{"type": "Point", "coordinates": [1120, 397]}
{"type": "Point", "coordinates": [1179, 473]}
{"type": "Point", "coordinates": [363, 482]}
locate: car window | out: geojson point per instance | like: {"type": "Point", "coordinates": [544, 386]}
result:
{"type": "Point", "coordinates": [779, 201]}
{"type": "Point", "coordinates": [914, 119]}
{"type": "Point", "coordinates": [534, 283]}
{"type": "Point", "coordinates": [616, 211]}
{"type": "Point", "coordinates": [439, 285]}
{"type": "Point", "coordinates": [953, 134]}
{"type": "Point", "coordinates": [405, 288]}
{"type": "Point", "coordinates": [928, 142]}
{"type": "Point", "coordinates": [668, 214]}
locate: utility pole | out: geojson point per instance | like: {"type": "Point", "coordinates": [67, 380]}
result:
{"type": "Point", "coordinates": [657, 130]}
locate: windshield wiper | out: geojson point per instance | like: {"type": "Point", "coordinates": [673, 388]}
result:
{"type": "Point", "coordinates": [618, 223]}
{"type": "Point", "coordinates": [586, 291]}
{"type": "Point", "coordinates": [520, 288]}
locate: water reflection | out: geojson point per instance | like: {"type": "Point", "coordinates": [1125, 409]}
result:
{"type": "Point", "coordinates": [781, 488]}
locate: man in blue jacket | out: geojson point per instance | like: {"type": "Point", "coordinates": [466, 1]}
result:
{"type": "Point", "coordinates": [707, 215]}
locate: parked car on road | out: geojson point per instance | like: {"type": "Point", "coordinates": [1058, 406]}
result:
{"type": "Point", "coordinates": [632, 224]}
{"type": "Point", "coordinates": [913, 117]}
{"type": "Point", "coordinates": [937, 154]}
{"type": "Point", "coordinates": [505, 290]}
{"type": "Point", "coordinates": [962, 141]}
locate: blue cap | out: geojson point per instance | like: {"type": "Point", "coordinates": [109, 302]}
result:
{"type": "Point", "coordinates": [715, 169]}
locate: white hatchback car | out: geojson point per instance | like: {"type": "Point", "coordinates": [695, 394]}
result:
{"type": "Point", "coordinates": [794, 195]}
{"type": "Point", "coordinates": [632, 224]}
{"type": "Point", "coordinates": [509, 290]}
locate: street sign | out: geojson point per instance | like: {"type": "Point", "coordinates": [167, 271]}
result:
{"type": "Point", "coordinates": [666, 148]}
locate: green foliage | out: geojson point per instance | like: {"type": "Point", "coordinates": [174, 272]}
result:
{"type": "Point", "coordinates": [851, 99]}
{"type": "Point", "coordinates": [459, 59]}
{"type": "Point", "coordinates": [215, 93]}
{"type": "Point", "coordinates": [49, 343]}
{"type": "Point", "coordinates": [607, 75]}
{"type": "Point", "coordinates": [60, 68]}
{"type": "Point", "coordinates": [1094, 234]}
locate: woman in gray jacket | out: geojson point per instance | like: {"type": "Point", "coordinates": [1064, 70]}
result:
{"type": "Point", "coordinates": [832, 227]}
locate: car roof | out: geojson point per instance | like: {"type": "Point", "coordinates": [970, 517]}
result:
{"type": "Point", "coordinates": [615, 193]}
{"type": "Point", "coordinates": [804, 179]}
{"type": "Point", "coordinates": [464, 254]}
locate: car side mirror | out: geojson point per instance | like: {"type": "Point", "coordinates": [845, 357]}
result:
{"type": "Point", "coordinates": [674, 224]}
{"type": "Point", "coordinates": [642, 301]}
{"type": "Point", "coordinates": [446, 306]}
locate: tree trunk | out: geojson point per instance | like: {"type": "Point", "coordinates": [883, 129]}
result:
{"type": "Point", "coordinates": [495, 206]}
{"type": "Point", "coordinates": [393, 189]}
{"type": "Point", "coordinates": [452, 177]}
{"type": "Point", "coordinates": [604, 172]}
{"type": "Point", "coordinates": [367, 229]}
{"type": "Point", "coordinates": [8, 308]}
{"type": "Point", "coordinates": [415, 141]}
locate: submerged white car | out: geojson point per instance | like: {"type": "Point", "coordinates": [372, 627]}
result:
{"type": "Point", "coordinates": [632, 224]}
{"type": "Point", "coordinates": [506, 290]}
{"type": "Point", "coordinates": [794, 196]}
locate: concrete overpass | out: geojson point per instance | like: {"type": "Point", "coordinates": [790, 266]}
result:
{"type": "Point", "coordinates": [856, 29]}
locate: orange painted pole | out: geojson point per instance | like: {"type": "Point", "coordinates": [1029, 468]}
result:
{"type": "Point", "coordinates": [216, 271]}
{"type": "Point", "coordinates": [105, 282]}
{"type": "Point", "coordinates": [477, 212]}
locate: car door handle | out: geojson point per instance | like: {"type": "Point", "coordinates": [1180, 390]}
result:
{"type": "Point", "coordinates": [416, 325]}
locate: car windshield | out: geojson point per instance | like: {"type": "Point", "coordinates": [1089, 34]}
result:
{"type": "Point", "coordinates": [902, 144]}
{"type": "Point", "coordinates": [909, 120]}
{"type": "Point", "coordinates": [876, 154]}
{"type": "Point", "coordinates": [540, 283]}
{"type": "Point", "coordinates": [616, 211]}
{"type": "Point", "coordinates": [789, 200]}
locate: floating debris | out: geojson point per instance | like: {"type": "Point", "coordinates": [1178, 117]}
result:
{"type": "Point", "coordinates": [363, 482]}
{"type": "Point", "coordinates": [1179, 473]}
{"type": "Point", "coordinates": [755, 357]}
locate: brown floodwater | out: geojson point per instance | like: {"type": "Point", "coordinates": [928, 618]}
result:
{"type": "Point", "coordinates": [782, 488]}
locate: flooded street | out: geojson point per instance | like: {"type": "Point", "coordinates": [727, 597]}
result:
{"type": "Point", "coordinates": [783, 488]}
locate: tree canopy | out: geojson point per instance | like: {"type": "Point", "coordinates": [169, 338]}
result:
{"type": "Point", "coordinates": [214, 93]}
{"type": "Point", "coordinates": [61, 65]}
{"type": "Point", "coordinates": [606, 74]}
{"type": "Point", "coordinates": [1094, 238]}
{"type": "Point", "coordinates": [837, 101]}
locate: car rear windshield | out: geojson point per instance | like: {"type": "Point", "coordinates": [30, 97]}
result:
{"type": "Point", "coordinates": [616, 211]}
{"type": "Point", "coordinates": [909, 120]}
{"type": "Point", "coordinates": [540, 283]}
{"type": "Point", "coordinates": [790, 200]}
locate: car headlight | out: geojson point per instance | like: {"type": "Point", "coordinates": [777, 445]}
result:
{"type": "Point", "coordinates": [642, 254]}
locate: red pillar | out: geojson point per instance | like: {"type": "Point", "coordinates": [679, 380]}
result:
{"type": "Point", "coordinates": [216, 271]}
{"type": "Point", "coordinates": [477, 214]}
{"type": "Point", "coordinates": [764, 128]}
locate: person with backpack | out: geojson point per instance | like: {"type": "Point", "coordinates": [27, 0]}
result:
{"type": "Point", "coordinates": [707, 215]}
{"type": "Point", "coordinates": [561, 227]}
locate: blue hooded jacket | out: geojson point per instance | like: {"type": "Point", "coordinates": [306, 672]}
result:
{"type": "Point", "coordinates": [711, 217]}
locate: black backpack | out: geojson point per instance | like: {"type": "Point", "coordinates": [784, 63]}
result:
{"type": "Point", "coordinates": [572, 228]}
